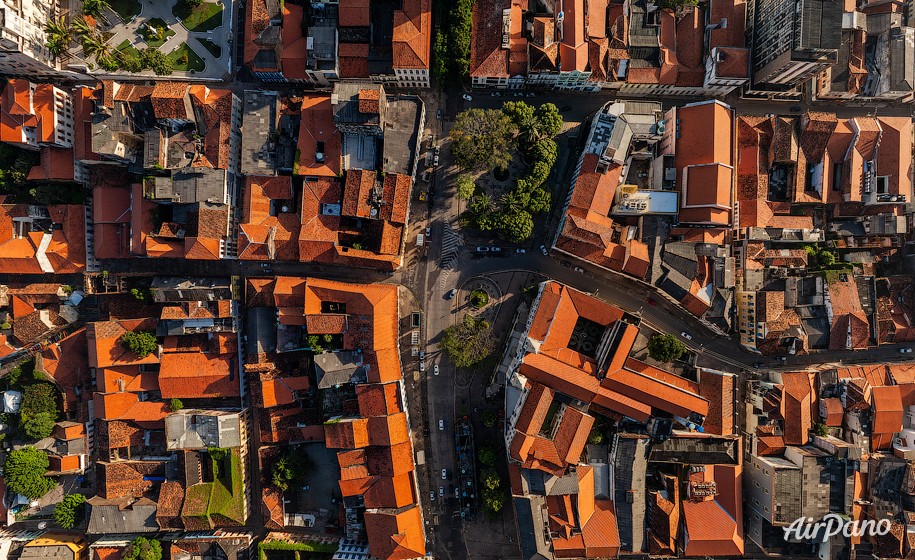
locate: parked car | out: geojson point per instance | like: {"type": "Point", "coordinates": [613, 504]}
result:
{"type": "Point", "coordinates": [565, 264]}
{"type": "Point", "coordinates": [543, 250]}
{"type": "Point", "coordinates": [441, 428]}
{"type": "Point", "coordinates": [579, 269]}
{"type": "Point", "coordinates": [482, 249]}
{"type": "Point", "coordinates": [439, 113]}
{"type": "Point", "coordinates": [265, 265]}
{"type": "Point", "coordinates": [437, 151]}
{"type": "Point", "coordinates": [422, 354]}
{"type": "Point", "coordinates": [496, 94]}
{"type": "Point", "coordinates": [905, 350]}
{"type": "Point", "coordinates": [444, 474]}
{"type": "Point", "coordinates": [441, 491]}
{"type": "Point", "coordinates": [425, 177]}
{"type": "Point", "coordinates": [422, 365]}
{"type": "Point", "coordinates": [519, 94]}
{"type": "Point", "coordinates": [796, 109]}
{"type": "Point", "coordinates": [531, 94]}
{"type": "Point", "coordinates": [435, 369]}
{"type": "Point", "coordinates": [451, 293]}
{"type": "Point", "coordinates": [457, 494]}
{"type": "Point", "coordinates": [520, 251]}
{"type": "Point", "coordinates": [467, 97]}
{"type": "Point", "coordinates": [428, 232]}
{"type": "Point", "coordinates": [435, 161]}
{"type": "Point", "coordinates": [651, 302]}
{"type": "Point", "coordinates": [432, 495]}
{"type": "Point", "coordinates": [783, 358]}
{"type": "Point", "coordinates": [686, 335]}
{"type": "Point", "coordinates": [496, 249]}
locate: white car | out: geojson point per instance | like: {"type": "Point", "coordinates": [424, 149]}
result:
{"type": "Point", "coordinates": [435, 161]}
{"type": "Point", "coordinates": [451, 293]}
{"type": "Point", "coordinates": [543, 250]}
{"type": "Point", "coordinates": [520, 251]}
{"type": "Point", "coordinates": [435, 369]}
{"type": "Point", "coordinates": [441, 491]}
{"type": "Point", "coordinates": [444, 474]}
{"type": "Point", "coordinates": [422, 366]}
{"type": "Point", "coordinates": [579, 269]}
{"type": "Point", "coordinates": [905, 350]}
{"type": "Point", "coordinates": [441, 425]}
{"type": "Point", "coordinates": [432, 495]}
{"type": "Point", "coordinates": [686, 335]}
{"type": "Point", "coordinates": [467, 97]}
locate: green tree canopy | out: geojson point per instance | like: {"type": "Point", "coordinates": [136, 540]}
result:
{"type": "Point", "coordinates": [175, 405]}
{"type": "Point", "coordinates": [482, 139]}
{"type": "Point", "coordinates": [141, 343]}
{"type": "Point", "coordinates": [549, 121]}
{"type": "Point", "coordinates": [459, 21]}
{"type": "Point", "coordinates": [142, 548]}
{"type": "Point", "coordinates": [288, 469]}
{"type": "Point", "coordinates": [487, 456]}
{"type": "Point", "coordinates": [70, 511]}
{"type": "Point", "coordinates": [468, 342]}
{"type": "Point", "coordinates": [516, 226]}
{"type": "Point", "coordinates": [665, 347]}
{"type": "Point", "coordinates": [465, 186]}
{"type": "Point", "coordinates": [24, 471]}
{"type": "Point", "coordinates": [38, 398]}
{"type": "Point", "coordinates": [157, 61]}
{"type": "Point", "coordinates": [40, 425]}
{"type": "Point", "coordinates": [546, 151]}
{"type": "Point", "coordinates": [520, 113]}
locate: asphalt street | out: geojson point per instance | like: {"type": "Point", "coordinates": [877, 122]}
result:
{"type": "Point", "coordinates": [431, 279]}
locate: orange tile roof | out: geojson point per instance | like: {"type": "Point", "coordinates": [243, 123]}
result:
{"type": "Point", "coordinates": [359, 183]}
{"type": "Point", "coordinates": [317, 128]}
{"type": "Point", "coordinates": [373, 311]}
{"type": "Point", "coordinates": [412, 33]}
{"type": "Point", "coordinates": [831, 411]}
{"type": "Point", "coordinates": [797, 397]}
{"type": "Point", "coordinates": [850, 327]}
{"type": "Point", "coordinates": [295, 44]}
{"type": "Point", "coordinates": [259, 223]}
{"type": "Point", "coordinates": [487, 58]}
{"type": "Point", "coordinates": [378, 399]}
{"type": "Point", "coordinates": [189, 375]}
{"type": "Point", "coordinates": [353, 60]}
{"type": "Point", "coordinates": [347, 434]}
{"type": "Point", "coordinates": [105, 349]}
{"type": "Point", "coordinates": [280, 391]}
{"type": "Point", "coordinates": [354, 13]}
{"type": "Point", "coordinates": [710, 530]}
{"type": "Point", "coordinates": [395, 535]}
{"type": "Point", "coordinates": [888, 412]}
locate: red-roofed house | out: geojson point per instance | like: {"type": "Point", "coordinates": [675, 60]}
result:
{"type": "Point", "coordinates": [36, 115]}
{"type": "Point", "coordinates": [411, 43]}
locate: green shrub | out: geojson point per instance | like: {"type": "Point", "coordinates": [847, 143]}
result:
{"type": "Point", "coordinates": [70, 511]}
{"type": "Point", "coordinates": [141, 343]}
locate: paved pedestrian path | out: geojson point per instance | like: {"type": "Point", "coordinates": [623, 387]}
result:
{"type": "Point", "coordinates": [215, 67]}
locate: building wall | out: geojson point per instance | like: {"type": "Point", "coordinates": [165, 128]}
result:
{"type": "Point", "coordinates": [412, 78]}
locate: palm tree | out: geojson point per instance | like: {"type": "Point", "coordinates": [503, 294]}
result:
{"type": "Point", "coordinates": [96, 46]}
{"type": "Point", "coordinates": [95, 8]}
{"type": "Point", "coordinates": [58, 35]}
{"type": "Point", "coordinates": [81, 27]}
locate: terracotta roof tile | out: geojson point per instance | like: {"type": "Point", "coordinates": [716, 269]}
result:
{"type": "Point", "coordinates": [187, 375]}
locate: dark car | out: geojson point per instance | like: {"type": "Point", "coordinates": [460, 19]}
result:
{"type": "Point", "coordinates": [565, 264]}
{"type": "Point", "coordinates": [651, 302]}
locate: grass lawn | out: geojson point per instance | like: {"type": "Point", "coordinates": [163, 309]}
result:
{"type": "Point", "coordinates": [156, 40]}
{"type": "Point", "coordinates": [221, 502]}
{"type": "Point", "coordinates": [194, 62]}
{"type": "Point", "coordinates": [126, 45]}
{"type": "Point", "coordinates": [205, 17]}
{"type": "Point", "coordinates": [209, 45]}
{"type": "Point", "coordinates": [127, 9]}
